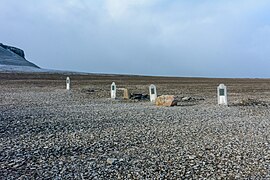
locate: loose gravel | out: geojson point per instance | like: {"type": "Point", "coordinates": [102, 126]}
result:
{"type": "Point", "coordinates": [56, 134]}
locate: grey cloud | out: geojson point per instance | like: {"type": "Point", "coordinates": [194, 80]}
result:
{"type": "Point", "coordinates": [158, 37]}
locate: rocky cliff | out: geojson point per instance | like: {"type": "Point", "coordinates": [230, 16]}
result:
{"type": "Point", "coordinates": [13, 56]}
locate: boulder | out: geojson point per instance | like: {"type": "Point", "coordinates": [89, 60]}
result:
{"type": "Point", "coordinates": [166, 100]}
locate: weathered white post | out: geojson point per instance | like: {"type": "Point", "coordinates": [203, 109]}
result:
{"type": "Point", "coordinates": [113, 90]}
{"type": "Point", "coordinates": [222, 94]}
{"type": "Point", "coordinates": [68, 83]}
{"type": "Point", "coordinates": [153, 92]}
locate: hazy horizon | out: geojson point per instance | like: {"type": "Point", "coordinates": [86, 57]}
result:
{"type": "Point", "coordinates": [142, 37]}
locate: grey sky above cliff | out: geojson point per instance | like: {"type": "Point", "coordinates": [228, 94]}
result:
{"type": "Point", "coordinates": [226, 38]}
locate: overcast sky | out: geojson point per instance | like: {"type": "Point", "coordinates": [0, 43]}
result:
{"type": "Point", "coordinates": [210, 38]}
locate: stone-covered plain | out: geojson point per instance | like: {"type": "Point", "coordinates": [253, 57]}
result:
{"type": "Point", "coordinates": [47, 132]}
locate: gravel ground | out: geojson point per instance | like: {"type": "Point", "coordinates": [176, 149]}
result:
{"type": "Point", "coordinates": [49, 133]}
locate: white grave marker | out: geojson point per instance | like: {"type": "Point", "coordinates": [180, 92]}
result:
{"type": "Point", "coordinates": [113, 91]}
{"type": "Point", "coordinates": [222, 94]}
{"type": "Point", "coordinates": [153, 92]}
{"type": "Point", "coordinates": [68, 83]}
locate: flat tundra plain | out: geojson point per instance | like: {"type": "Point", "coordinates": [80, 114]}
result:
{"type": "Point", "coordinates": [47, 132]}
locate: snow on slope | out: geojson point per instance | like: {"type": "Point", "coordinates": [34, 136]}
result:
{"type": "Point", "coordinates": [12, 61]}
{"type": "Point", "coordinates": [7, 57]}
{"type": "Point", "coordinates": [29, 69]}
{"type": "Point", "coordinates": [12, 68]}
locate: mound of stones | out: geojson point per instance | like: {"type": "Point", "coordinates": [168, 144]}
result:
{"type": "Point", "coordinates": [138, 96]}
{"type": "Point", "coordinates": [251, 102]}
{"type": "Point", "coordinates": [171, 100]}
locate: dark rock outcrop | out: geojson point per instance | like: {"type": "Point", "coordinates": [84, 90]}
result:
{"type": "Point", "coordinates": [13, 56]}
{"type": "Point", "coordinates": [14, 49]}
